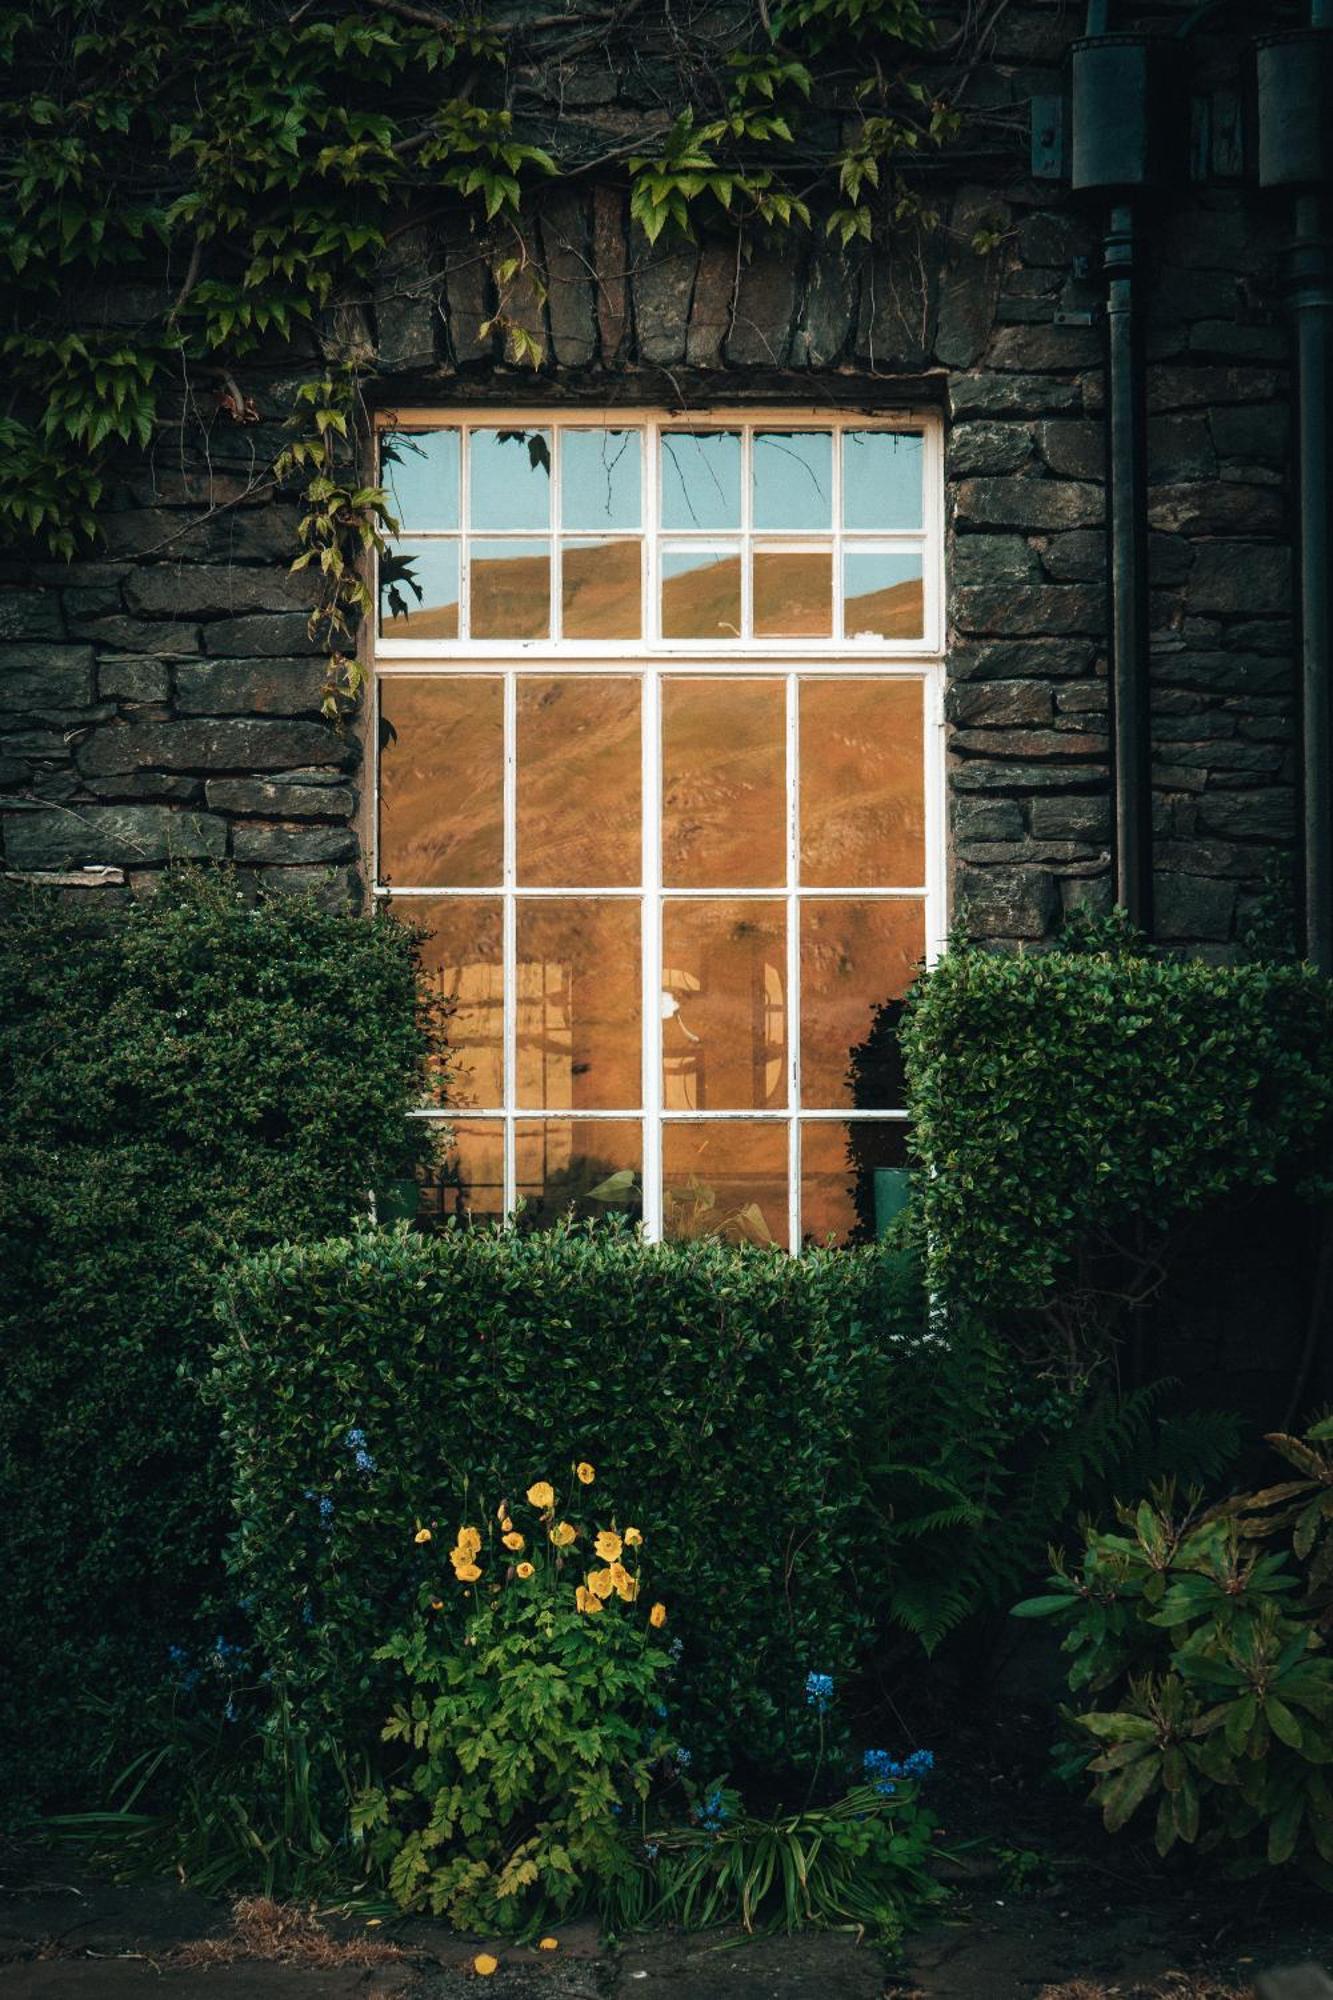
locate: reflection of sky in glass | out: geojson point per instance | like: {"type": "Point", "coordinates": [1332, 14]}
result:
{"type": "Point", "coordinates": [420, 470]}
{"type": "Point", "coordinates": [701, 479]}
{"type": "Point", "coordinates": [867, 574]}
{"type": "Point", "coordinates": [510, 473]}
{"type": "Point", "coordinates": [434, 572]}
{"type": "Point", "coordinates": [793, 479]}
{"type": "Point", "coordinates": [881, 480]}
{"type": "Point", "coordinates": [599, 479]}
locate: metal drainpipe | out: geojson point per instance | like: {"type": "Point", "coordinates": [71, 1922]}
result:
{"type": "Point", "coordinates": [1121, 126]}
{"type": "Point", "coordinates": [1295, 73]}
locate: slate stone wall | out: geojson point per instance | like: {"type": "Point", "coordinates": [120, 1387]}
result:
{"type": "Point", "coordinates": [160, 698]}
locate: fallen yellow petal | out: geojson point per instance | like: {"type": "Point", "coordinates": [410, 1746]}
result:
{"type": "Point", "coordinates": [548, 1944]}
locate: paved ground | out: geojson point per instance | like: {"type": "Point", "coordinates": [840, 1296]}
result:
{"type": "Point", "coordinates": [68, 1935]}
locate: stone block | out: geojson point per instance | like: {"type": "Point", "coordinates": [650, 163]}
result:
{"type": "Point", "coordinates": [405, 290]}
{"type": "Point", "coordinates": [1007, 902]}
{"type": "Point", "coordinates": [970, 283]}
{"type": "Point", "coordinates": [1029, 503]}
{"type": "Point", "coordinates": [1000, 704]}
{"type": "Point", "coordinates": [250, 687]}
{"type": "Point", "coordinates": [1260, 815]}
{"type": "Point", "coordinates": [1074, 449]}
{"type": "Point", "coordinates": [333, 888]}
{"type": "Point", "coordinates": [1028, 743]}
{"type": "Point", "coordinates": [610, 262]}
{"type": "Point", "coordinates": [147, 785]}
{"type": "Point", "coordinates": [987, 559]}
{"type": "Point", "coordinates": [30, 614]}
{"type": "Point", "coordinates": [279, 632]}
{"type": "Point", "coordinates": [1245, 577]}
{"type": "Point", "coordinates": [133, 677]}
{"type": "Point", "coordinates": [1186, 907]}
{"type": "Point", "coordinates": [1258, 432]}
{"type": "Point", "coordinates": [830, 310]}
{"type": "Point", "coordinates": [1196, 386]}
{"type": "Point", "coordinates": [1052, 237]}
{"type": "Point", "coordinates": [1078, 557]}
{"type": "Point", "coordinates": [1223, 672]}
{"type": "Point", "coordinates": [467, 292]}
{"type": "Point", "coordinates": [987, 820]}
{"type": "Point", "coordinates": [164, 637]}
{"type": "Point", "coordinates": [279, 798]}
{"type": "Point", "coordinates": [761, 323]}
{"type": "Point", "coordinates": [982, 393]}
{"type": "Point", "coordinates": [207, 745]}
{"type": "Point", "coordinates": [1046, 609]}
{"type": "Point", "coordinates": [288, 845]}
{"type": "Point", "coordinates": [1018, 659]}
{"type": "Point", "coordinates": [1087, 819]}
{"type": "Point", "coordinates": [662, 281]}
{"type": "Point", "coordinates": [570, 305]}
{"type": "Point", "coordinates": [1180, 449]}
{"type": "Point", "coordinates": [123, 835]}
{"type": "Point", "coordinates": [41, 679]}
{"type": "Point", "coordinates": [1216, 509]}
{"type": "Point", "coordinates": [982, 447]}
{"type": "Point", "coordinates": [895, 326]}
{"type": "Point", "coordinates": [1040, 350]}
{"type": "Point", "coordinates": [1005, 776]}
{"type": "Point", "coordinates": [208, 590]}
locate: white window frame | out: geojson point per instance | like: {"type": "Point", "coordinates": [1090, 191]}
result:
{"type": "Point", "coordinates": [647, 659]}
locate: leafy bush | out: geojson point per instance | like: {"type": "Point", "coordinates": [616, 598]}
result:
{"type": "Point", "coordinates": [528, 1721]}
{"type": "Point", "coordinates": [1217, 1698]}
{"type": "Point", "coordinates": [178, 1075]}
{"type": "Point", "coordinates": [729, 1393]}
{"type": "Point", "coordinates": [1065, 1100]}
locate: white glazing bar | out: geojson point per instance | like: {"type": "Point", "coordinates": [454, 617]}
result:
{"type": "Point", "coordinates": [793, 696]}
{"type": "Point", "coordinates": [510, 947]}
{"type": "Point", "coordinates": [651, 946]}
{"type": "Point", "coordinates": [729, 890]}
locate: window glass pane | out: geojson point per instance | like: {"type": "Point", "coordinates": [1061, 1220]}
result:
{"type": "Point", "coordinates": [510, 590]}
{"type": "Point", "coordinates": [725, 1177]}
{"type": "Point", "coordinates": [855, 954]}
{"type": "Point", "coordinates": [724, 807]}
{"type": "Point", "coordinates": [462, 963]}
{"type": "Point", "coordinates": [793, 479]}
{"type": "Point", "coordinates": [578, 1046]}
{"type": "Point", "coordinates": [882, 595]}
{"type": "Point", "coordinates": [793, 594]}
{"type": "Point", "coordinates": [601, 590]}
{"type": "Point", "coordinates": [419, 470]}
{"type": "Point", "coordinates": [580, 761]}
{"type": "Point", "coordinates": [844, 1192]}
{"type": "Point", "coordinates": [593, 1166]}
{"type": "Point", "coordinates": [701, 594]}
{"type": "Point", "coordinates": [419, 590]}
{"type": "Point", "coordinates": [469, 1181]}
{"type": "Point", "coordinates": [442, 781]}
{"type": "Point", "coordinates": [701, 479]}
{"type": "Point", "coordinates": [600, 479]}
{"type": "Point", "coordinates": [862, 784]}
{"type": "Point", "coordinates": [881, 480]}
{"type": "Point", "coordinates": [724, 1005]}
{"type": "Point", "coordinates": [509, 479]}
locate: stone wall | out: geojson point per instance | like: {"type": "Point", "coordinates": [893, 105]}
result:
{"type": "Point", "coordinates": [161, 699]}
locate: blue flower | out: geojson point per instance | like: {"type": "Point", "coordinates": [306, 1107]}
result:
{"type": "Point", "coordinates": [683, 1759]}
{"type": "Point", "coordinates": [713, 1813]}
{"type": "Point", "coordinates": [364, 1462]}
{"type": "Point", "coordinates": [661, 1711]}
{"type": "Point", "coordinates": [920, 1764]}
{"type": "Point", "coordinates": [650, 1850]}
{"type": "Point", "coordinates": [882, 1769]}
{"type": "Point", "coordinates": [819, 1692]}
{"type": "Point", "coordinates": [325, 1508]}
{"type": "Point", "coordinates": [355, 1439]}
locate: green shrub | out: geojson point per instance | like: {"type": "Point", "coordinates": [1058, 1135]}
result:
{"type": "Point", "coordinates": [729, 1394]}
{"type": "Point", "coordinates": [530, 1682]}
{"type": "Point", "coordinates": [1070, 1102]}
{"type": "Point", "coordinates": [178, 1076]}
{"type": "Point", "coordinates": [1204, 1644]}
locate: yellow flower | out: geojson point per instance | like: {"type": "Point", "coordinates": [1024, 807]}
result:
{"type": "Point", "coordinates": [657, 1617]}
{"type": "Point", "coordinates": [548, 1944]}
{"type": "Point", "coordinates": [562, 1534]}
{"type": "Point", "coordinates": [514, 1541]}
{"type": "Point", "coordinates": [469, 1541]}
{"type": "Point", "coordinates": [525, 1570]}
{"type": "Point", "coordinates": [608, 1545]}
{"type": "Point", "coordinates": [501, 1512]}
{"type": "Point", "coordinates": [421, 1535]}
{"type": "Point", "coordinates": [633, 1539]}
{"type": "Point", "coordinates": [506, 1525]}
{"type": "Point", "coordinates": [437, 1604]}
{"type": "Point", "coordinates": [484, 1965]}
{"type": "Point", "coordinates": [585, 1473]}
{"type": "Point", "coordinates": [585, 1600]}
{"type": "Point", "coordinates": [541, 1495]}
{"type": "Point", "coordinates": [466, 1572]}
{"type": "Point", "coordinates": [601, 1582]}
{"type": "Point", "coordinates": [627, 1586]}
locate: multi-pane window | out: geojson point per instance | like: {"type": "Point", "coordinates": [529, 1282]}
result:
{"type": "Point", "coordinates": [658, 727]}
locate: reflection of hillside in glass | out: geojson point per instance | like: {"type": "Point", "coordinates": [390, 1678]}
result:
{"type": "Point", "coordinates": [724, 977]}
{"type": "Point", "coordinates": [578, 1004]}
{"type": "Point", "coordinates": [855, 952]}
{"type": "Point", "coordinates": [419, 590]}
{"type": "Point", "coordinates": [724, 807]}
{"type": "Point", "coordinates": [862, 784]}
{"type": "Point", "coordinates": [468, 1184]}
{"type": "Point", "coordinates": [579, 771]}
{"type": "Point", "coordinates": [441, 794]}
{"type": "Point", "coordinates": [601, 590]}
{"type": "Point", "coordinates": [701, 595]}
{"type": "Point", "coordinates": [510, 590]}
{"type": "Point", "coordinates": [883, 596]}
{"type": "Point", "coordinates": [793, 594]}
{"type": "Point", "coordinates": [463, 961]}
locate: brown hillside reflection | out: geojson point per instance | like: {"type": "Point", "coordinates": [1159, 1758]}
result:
{"type": "Point", "coordinates": [793, 594]}
{"type": "Point", "coordinates": [579, 769]}
{"type": "Point", "coordinates": [463, 961]}
{"type": "Point", "coordinates": [703, 602]}
{"type": "Point", "coordinates": [723, 784]}
{"type": "Point", "coordinates": [511, 594]}
{"type": "Point", "coordinates": [577, 1005]}
{"type": "Point", "coordinates": [441, 781]}
{"type": "Point", "coordinates": [601, 590]}
{"type": "Point", "coordinates": [897, 612]}
{"type": "Point", "coordinates": [862, 784]}
{"type": "Point", "coordinates": [855, 953]}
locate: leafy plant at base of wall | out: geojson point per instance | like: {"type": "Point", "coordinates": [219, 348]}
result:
{"type": "Point", "coordinates": [527, 1730]}
{"type": "Point", "coordinates": [181, 1075]}
{"type": "Point", "coordinates": [1068, 1105]}
{"type": "Point", "coordinates": [1217, 1693]}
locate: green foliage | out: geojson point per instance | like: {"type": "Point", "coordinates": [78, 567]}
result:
{"type": "Point", "coordinates": [527, 1724]}
{"type": "Point", "coordinates": [724, 1390]}
{"type": "Point", "coordinates": [1216, 1693]}
{"type": "Point", "coordinates": [179, 1076]}
{"type": "Point", "coordinates": [1065, 1101]}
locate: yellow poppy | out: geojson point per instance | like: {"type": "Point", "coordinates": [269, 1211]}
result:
{"type": "Point", "coordinates": [541, 1495]}
{"type": "Point", "coordinates": [608, 1545]}
{"type": "Point", "coordinates": [506, 1525]}
{"type": "Point", "coordinates": [585, 1473]}
{"type": "Point", "coordinates": [525, 1570]}
{"type": "Point", "coordinates": [469, 1541]}
{"type": "Point", "coordinates": [562, 1534]}
{"type": "Point", "coordinates": [501, 1512]}
{"type": "Point", "coordinates": [437, 1604]}
{"type": "Point", "coordinates": [466, 1572]}
{"type": "Point", "coordinates": [421, 1535]}
{"type": "Point", "coordinates": [633, 1539]}
{"type": "Point", "coordinates": [626, 1586]}
{"type": "Point", "coordinates": [586, 1600]}
{"type": "Point", "coordinates": [548, 1944]}
{"type": "Point", "coordinates": [514, 1541]}
{"type": "Point", "coordinates": [657, 1617]}
{"type": "Point", "coordinates": [484, 1965]}
{"type": "Point", "coordinates": [600, 1582]}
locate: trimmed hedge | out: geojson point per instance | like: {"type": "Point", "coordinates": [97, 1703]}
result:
{"type": "Point", "coordinates": [179, 1076]}
{"type": "Point", "coordinates": [1070, 1093]}
{"type": "Point", "coordinates": [727, 1397]}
